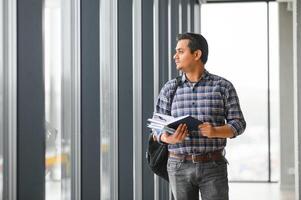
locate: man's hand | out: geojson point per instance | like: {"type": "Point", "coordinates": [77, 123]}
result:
{"type": "Point", "coordinates": [210, 131]}
{"type": "Point", "coordinates": [177, 137]}
{"type": "Point", "coordinates": [207, 129]}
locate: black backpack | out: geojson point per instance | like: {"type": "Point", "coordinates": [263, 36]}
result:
{"type": "Point", "coordinates": [157, 154]}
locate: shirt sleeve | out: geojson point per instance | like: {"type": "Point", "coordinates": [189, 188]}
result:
{"type": "Point", "coordinates": [162, 106]}
{"type": "Point", "coordinates": [233, 113]}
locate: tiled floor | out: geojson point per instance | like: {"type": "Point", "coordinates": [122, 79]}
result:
{"type": "Point", "coordinates": [258, 191]}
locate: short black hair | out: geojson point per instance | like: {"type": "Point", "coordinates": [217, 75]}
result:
{"type": "Point", "coordinates": [196, 42]}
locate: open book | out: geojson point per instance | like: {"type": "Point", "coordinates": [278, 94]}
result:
{"type": "Point", "coordinates": [167, 123]}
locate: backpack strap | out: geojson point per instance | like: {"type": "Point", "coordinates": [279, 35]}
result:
{"type": "Point", "coordinates": [178, 82]}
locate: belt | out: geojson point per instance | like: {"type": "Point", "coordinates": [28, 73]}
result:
{"type": "Point", "coordinates": [195, 158]}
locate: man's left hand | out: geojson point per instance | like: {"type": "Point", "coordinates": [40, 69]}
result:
{"type": "Point", "coordinates": [206, 129]}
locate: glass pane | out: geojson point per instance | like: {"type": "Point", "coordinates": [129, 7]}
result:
{"type": "Point", "coordinates": [237, 37]}
{"type": "Point", "coordinates": [108, 101]}
{"type": "Point", "coordinates": [57, 98]}
{"type": "Point", "coordinates": [274, 92]}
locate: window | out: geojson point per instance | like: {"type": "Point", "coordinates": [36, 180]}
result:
{"type": "Point", "coordinates": [238, 35]}
{"type": "Point", "coordinates": [108, 100]}
{"type": "Point", "coordinates": [57, 99]}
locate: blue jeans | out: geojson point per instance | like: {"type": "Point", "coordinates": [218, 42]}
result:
{"type": "Point", "coordinates": [187, 179]}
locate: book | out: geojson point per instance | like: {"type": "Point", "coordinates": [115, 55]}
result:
{"type": "Point", "coordinates": [161, 122]}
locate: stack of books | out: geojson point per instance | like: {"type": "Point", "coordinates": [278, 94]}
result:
{"type": "Point", "coordinates": [161, 122]}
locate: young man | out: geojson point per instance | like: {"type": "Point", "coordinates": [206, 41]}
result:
{"type": "Point", "coordinates": [196, 159]}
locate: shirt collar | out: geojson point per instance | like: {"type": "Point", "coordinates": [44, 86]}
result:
{"type": "Point", "coordinates": [204, 76]}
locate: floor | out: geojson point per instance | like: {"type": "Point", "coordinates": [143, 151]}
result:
{"type": "Point", "coordinates": [258, 191]}
{"type": "Point", "coordinates": [238, 191]}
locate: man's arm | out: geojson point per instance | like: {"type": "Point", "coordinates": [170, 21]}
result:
{"type": "Point", "coordinates": [210, 131]}
{"type": "Point", "coordinates": [236, 123]}
{"type": "Point", "coordinates": [234, 116]}
{"type": "Point", "coordinates": [162, 106]}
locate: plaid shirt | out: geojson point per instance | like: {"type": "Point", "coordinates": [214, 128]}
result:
{"type": "Point", "coordinates": [212, 99]}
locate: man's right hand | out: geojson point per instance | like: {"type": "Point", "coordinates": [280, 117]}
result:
{"type": "Point", "coordinates": [177, 137]}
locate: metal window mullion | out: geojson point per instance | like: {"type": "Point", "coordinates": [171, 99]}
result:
{"type": "Point", "coordinates": [180, 17]}
{"type": "Point", "coordinates": [114, 146]}
{"type": "Point", "coordinates": [76, 100]}
{"type": "Point", "coordinates": [169, 40]}
{"type": "Point", "coordinates": [10, 99]}
{"type": "Point", "coordinates": [156, 72]}
{"type": "Point", "coordinates": [200, 17]}
{"type": "Point", "coordinates": [268, 93]}
{"type": "Point", "coordinates": [189, 16]}
{"type": "Point", "coordinates": [197, 18]}
{"type": "Point", "coordinates": [137, 99]}
{"type": "Point", "coordinates": [297, 93]}
{"type": "Point", "coordinates": [169, 33]}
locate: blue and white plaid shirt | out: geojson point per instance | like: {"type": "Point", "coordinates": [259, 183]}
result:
{"type": "Point", "coordinates": [212, 99]}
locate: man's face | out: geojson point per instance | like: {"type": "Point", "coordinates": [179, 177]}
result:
{"type": "Point", "coordinates": [185, 60]}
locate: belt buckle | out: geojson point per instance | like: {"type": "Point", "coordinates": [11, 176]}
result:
{"type": "Point", "coordinates": [193, 158]}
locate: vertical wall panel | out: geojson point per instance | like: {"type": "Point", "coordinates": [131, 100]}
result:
{"type": "Point", "coordinates": [192, 19]}
{"type": "Point", "coordinates": [163, 70]}
{"type": "Point", "coordinates": [30, 103]}
{"type": "Point", "coordinates": [184, 16]}
{"type": "Point", "coordinates": [147, 93]}
{"type": "Point", "coordinates": [163, 42]}
{"type": "Point", "coordinates": [174, 31]}
{"type": "Point", "coordinates": [90, 100]}
{"type": "Point", "coordinates": [125, 99]}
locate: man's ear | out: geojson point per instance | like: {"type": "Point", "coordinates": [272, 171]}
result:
{"type": "Point", "coordinates": [198, 54]}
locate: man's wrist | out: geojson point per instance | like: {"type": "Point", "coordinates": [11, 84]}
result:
{"type": "Point", "coordinates": [224, 131]}
{"type": "Point", "coordinates": [215, 131]}
{"type": "Point", "coordinates": [164, 137]}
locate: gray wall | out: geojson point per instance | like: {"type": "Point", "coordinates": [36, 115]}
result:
{"type": "Point", "coordinates": [90, 108]}
{"type": "Point", "coordinates": [30, 102]}
{"type": "Point", "coordinates": [147, 92]}
{"type": "Point", "coordinates": [125, 100]}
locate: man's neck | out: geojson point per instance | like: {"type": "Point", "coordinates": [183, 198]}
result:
{"type": "Point", "coordinates": [194, 76]}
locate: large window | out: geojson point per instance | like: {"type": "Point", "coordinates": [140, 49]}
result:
{"type": "Point", "coordinates": [57, 139]}
{"type": "Point", "coordinates": [108, 100]}
{"type": "Point", "coordinates": [241, 45]}
{"type": "Point", "coordinates": [61, 100]}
